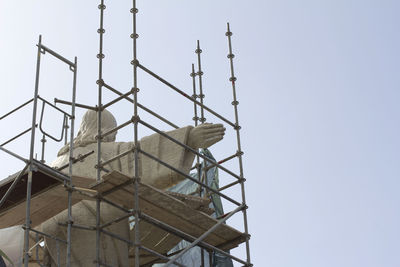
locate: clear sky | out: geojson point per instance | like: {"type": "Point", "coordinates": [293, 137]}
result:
{"type": "Point", "coordinates": [318, 86]}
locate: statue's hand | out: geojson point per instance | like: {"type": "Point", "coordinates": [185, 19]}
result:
{"type": "Point", "coordinates": [205, 135]}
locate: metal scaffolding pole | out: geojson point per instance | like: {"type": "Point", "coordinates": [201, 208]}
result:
{"type": "Point", "coordinates": [200, 74]}
{"type": "Point", "coordinates": [235, 103]}
{"type": "Point", "coordinates": [135, 89]}
{"type": "Point", "coordinates": [71, 158]}
{"type": "Point", "coordinates": [32, 148]}
{"type": "Point", "coordinates": [100, 56]}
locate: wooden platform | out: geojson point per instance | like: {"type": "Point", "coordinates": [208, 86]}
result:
{"type": "Point", "coordinates": [189, 214]}
{"type": "Point", "coordinates": [170, 210]}
{"type": "Point", "coordinates": [49, 198]}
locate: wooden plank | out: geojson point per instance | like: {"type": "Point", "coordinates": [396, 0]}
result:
{"type": "Point", "coordinates": [170, 210]}
{"type": "Point", "coordinates": [50, 201]}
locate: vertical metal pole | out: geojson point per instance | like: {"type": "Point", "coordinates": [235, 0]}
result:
{"type": "Point", "coordinates": [194, 96]}
{"type": "Point", "coordinates": [100, 56]}
{"type": "Point", "coordinates": [135, 63]}
{"type": "Point", "coordinates": [196, 119]}
{"type": "Point", "coordinates": [71, 158]}
{"type": "Point", "coordinates": [32, 148]}
{"type": "Point", "coordinates": [235, 103]}
{"type": "Point", "coordinates": [201, 96]}
{"type": "Point", "coordinates": [43, 140]}
{"type": "Point", "coordinates": [66, 131]}
{"type": "Point", "coordinates": [58, 252]}
{"type": "Point", "coordinates": [200, 74]}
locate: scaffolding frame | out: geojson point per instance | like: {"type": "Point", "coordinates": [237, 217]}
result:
{"type": "Point", "coordinates": [204, 190]}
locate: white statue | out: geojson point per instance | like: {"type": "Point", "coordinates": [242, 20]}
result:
{"type": "Point", "coordinates": [112, 251]}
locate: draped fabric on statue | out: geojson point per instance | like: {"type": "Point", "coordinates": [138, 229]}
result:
{"type": "Point", "coordinates": [113, 251]}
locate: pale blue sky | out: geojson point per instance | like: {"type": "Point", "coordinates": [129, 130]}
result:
{"type": "Point", "coordinates": [318, 86]}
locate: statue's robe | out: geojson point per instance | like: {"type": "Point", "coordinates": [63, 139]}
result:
{"type": "Point", "coordinates": [114, 252]}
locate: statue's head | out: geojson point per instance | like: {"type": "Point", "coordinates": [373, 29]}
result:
{"type": "Point", "coordinates": [88, 130]}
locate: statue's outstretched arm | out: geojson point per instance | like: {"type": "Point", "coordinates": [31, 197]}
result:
{"type": "Point", "coordinates": [205, 135]}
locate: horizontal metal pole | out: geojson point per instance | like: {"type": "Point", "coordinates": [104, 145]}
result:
{"type": "Point", "coordinates": [57, 108]}
{"type": "Point", "coordinates": [15, 137]}
{"type": "Point", "coordinates": [209, 231]}
{"type": "Point", "coordinates": [155, 253]}
{"type": "Point", "coordinates": [212, 165]}
{"type": "Point", "coordinates": [228, 158]}
{"type": "Point", "coordinates": [55, 54]}
{"type": "Point", "coordinates": [12, 186]}
{"type": "Point", "coordinates": [116, 220]}
{"type": "Point", "coordinates": [229, 185]}
{"type": "Point", "coordinates": [194, 151]}
{"type": "Point", "coordinates": [117, 157]}
{"type": "Point", "coordinates": [118, 187]}
{"type": "Point", "coordinates": [130, 243]}
{"type": "Point", "coordinates": [185, 236]}
{"type": "Point", "coordinates": [115, 129]}
{"type": "Point", "coordinates": [102, 263]}
{"type": "Point", "coordinates": [76, 104]}
{"type": "Point", "coordinates": [116, 100]}
{"type": "Point", "coordinates": [115, 205]}
{"type": "Point", "coordinates": [76, 160]}
{"type": "Point", "coordinates": [78, 226]}
{"type": "Point", "coordinates": [185, 95]}
{"type": "Point", "coordinates": [12, 111]}
{"type": "Point", "coordinates": [14, 155]}
{"type": "Point", "coordinates": [51, 172]}
{"type": "Point", "coordinates": [188, 177]}
{"type": "Point", "coordinates": [141, 106]}
{"type": "Point", "coordinates": [44, 234]}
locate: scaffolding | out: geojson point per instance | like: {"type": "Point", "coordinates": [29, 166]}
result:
{"type": "Point", "coordinates": [18, 191]}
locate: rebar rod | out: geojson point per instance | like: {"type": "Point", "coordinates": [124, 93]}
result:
{"type": "Point", "coordinates": [188, 177]}
{"type": "Point", "coordinates": [15, 137]}
{"type": "Point", "coordinates": [141, 106]}
{"type": "Point", "coordinates": [31, 152]}
{"type": "Point", "coordinates": [56, 100]}
{"type": "Point", "coordinates": [55, 54]}
{"type": "Point", "coordinates": [204, 235]}
{"type": "Point", "coordinates": [71, 156]}
{"type": "Point", "coordinates": [135, 89]}
{"type": "Point", "coordinates": [189, 148]}
{"type": "Point", "coordinates": [12, 186]}
{"type": "Point", "coordinates": [235, 103]}
{"type": "Point", "coordinates": [200, 75]}
{"type": "Point", "coordinates": [17, 108]}
{"type": "Point", "coordinates": [185, 95]}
